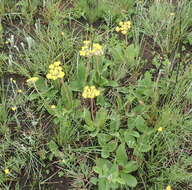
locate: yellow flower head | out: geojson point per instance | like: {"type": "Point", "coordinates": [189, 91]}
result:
{"type": "Point", "coordinates": [123, 27]}
{"type": "Point", "coordinates": [55, 71]}
{"type": "Point", "coordinates": [19, 91]}
{"type": "Point", "coordinates": [89, 49]}
{"type": "Point", "coordinates": [86, 42]}
{"type": "Point", "coordinates": [168, 187]}
{"type": "Point", "coordinates": [160, 129]}
{"type": "Point", "coordinates": [124, 32]}
{"type": "Point", "coordinates": [121, 23]}
{"type": "Point", "coordinates": [172, 14]}
{"type": "Point", "coordinates": [53, 106]}
{"type": "Point", "coordinates": [6, 171]}
{"type": "Point", "coordinates": [32, 80]}
{"type": "Point", "coordinates": [117, 29]}
{"type": "Point", "coordinates": [90, 92]}
{"type": "Point", "coordinates": [13, 108]}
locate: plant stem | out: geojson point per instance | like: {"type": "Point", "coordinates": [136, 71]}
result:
{"type": "Point", "coordinates": [92, 113]}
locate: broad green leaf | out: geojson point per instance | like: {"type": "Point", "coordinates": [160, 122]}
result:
{"type": "Point", "coordinates": [112, 83]}
{"type": "Point", "coordinates": [144, 143]}
{"type": "Point", "coordinates": [66, 95]}
{"type": "Point", "coordinates": [130, 180]}
{"type": "Point", "coordinates": [130, 140]}
{"type": "Point", "coordinates": [101, 118]}
{"type": "Point", "coordinates": [134, 134]}
{"type": "Point", "coordinates": [81, 74]}
{"type": "Point", "coordinates": [102, 102]}
{"type": "Point", "coordinates": [33, 96]}
{"type": "Point", "coordinates": [115, 122]}
{"type": "Point", "coordinates": [41, 85]}
{"type": "Point", "coordinates": [87, 117]}
{"type": "Point", "coordinates": [101, 165]}
{"type": "Point", "coordinates": [101, 81]}
{"type": "Point", "coordinates": [121, 181]}
{"type": "Point", "coordinates": [79, 83]}
{"type": "Point", "coordinates": [94, 180]}
{"type": "Point", "coordinates": [121, 155]}
{"type": "Point", "coordinates": [145, 86]}
{"type": "Point", "coordinates": [102, 184]}
{"type": "Point", "coordinates": [132, 53]}
{"type": "Point", "coordinates": [107, 148]}
{"type": "Point", "coordinates": [103, 138]}
{"type": "Point", "coordinates": [105, 153]}
{"type": "Point", "coordinates": [138, 123]}
{"type": "Point", "coordinates": [131, 166]}
{"type": "Point", "coordinates": [53, 147]}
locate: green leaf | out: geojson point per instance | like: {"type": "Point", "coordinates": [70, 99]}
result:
{"type": "Point", "coordinates": [53, 147]}
{"type": "Point", "coordinates": [121, 155]}
{"type": "Point", "coordinates": [105, 153]}
{"type": "Point", "coordinates": [101, 81]}
{"type": "Point", "coordinates": [103, 138]}
{"type": "Point", "coordinates": [102, 184]}
{"type": "Point", "coordinates": [94, 180]}
{"type": "Point", "coordinates": [130, 140]}
{"type": "Point", "coordinates": [134, 134]}
{"type": "Point", "coordinates": [121, 181]}
{"type": "Point", "coordinates": [67, 97]}
{"type": "Point", "coordinates": [3, 113]}
{"type": "Point", "coordinates": [101, 101]}
{"type": "Point", "coordinates": [131, 166]}
{"type": "Point", "coordinates": [111, 146]}
{"type": "Point", "coordinates": [81, 73]}
{"type": "Point", "coordinates": [102, 166]}
{"type": "Point", "coordinates": [81, 77]}
{"type": "Point", "coordinates": [130, 180]}
{"type": "Point", "coordinates": [138, 123]}
{"type": "Point", "coordinates": [33, 96]}
{"type": "Point", "coordinates": [112, 83]}
{"type": "Point", "coordinates": [107, 148]}
{"type": "Point", "coordinates": [41, 85]}
{"type": "Point", "coordinates": [88, 120]}
{"type": "Point", "coordinates": [144, 143]}
{"type": "Point", "coordinates": [101, 118]}
{"type": "Point", "coordinates": [132, 53]}
{"type": "Point", "coordinates": [115, 122]}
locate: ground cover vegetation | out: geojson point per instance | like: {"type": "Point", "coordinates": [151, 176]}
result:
{"type": "Point", "coordinates": [96, 94]}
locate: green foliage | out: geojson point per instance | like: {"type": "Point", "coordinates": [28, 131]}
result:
{"type": "Point", "coordinates": [135, 133]}
{"type": "Point", "coordinates": [28, 9]}
{"type": "Point", "coordinates": [166, 24]}
{"type": "Point", "coordinates": [100, 9]}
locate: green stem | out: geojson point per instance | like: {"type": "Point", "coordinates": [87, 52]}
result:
{"type": "Point", "coordinates": [97, 69]}
{"type": "Point", "coordinates": [92, 113]}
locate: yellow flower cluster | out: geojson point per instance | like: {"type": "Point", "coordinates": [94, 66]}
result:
{"type": "Point", "coordinates": [32, 80]}
{"type": "Point", "coordinates": [6, 171]}
{"type": "Point", "coordinates": [168, 187]}
{"type": "Point", "coordinates": [13, 108]}
{"type": "Point", "coordinates": [90, 92]}
{"type": "Point", "coordinates": [123, 27]}
{"type": "Point", "coordinates": [55, 71]}
{"type": "Point", "coordinates": [53, 106]}
{"type": "Point", "coordinates": [90, 49]}
{"type": "Point", "coordinates": [160, 129]}
{"type": "Point", "coordinates": [19, 91]}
